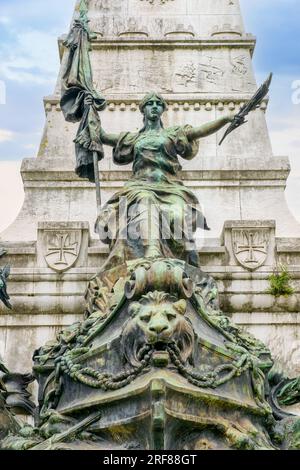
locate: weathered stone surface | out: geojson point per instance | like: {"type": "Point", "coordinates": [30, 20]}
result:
{"type": "Point", "coordinates": [62, 245]}
{"type": "Point", "coordinates": [250, 244]}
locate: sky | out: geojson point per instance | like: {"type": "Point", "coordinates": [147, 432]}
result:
{"type": "Point", "coordinates": [29, 66]}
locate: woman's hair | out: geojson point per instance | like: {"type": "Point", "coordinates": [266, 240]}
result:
{"type": "Point", "coordinates": [150, 96]}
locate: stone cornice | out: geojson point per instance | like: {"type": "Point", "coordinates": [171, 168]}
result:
{"type": "Point", "coordinates": [187, 101]}
{"type": "Point", "coordinates": [60, 173]}
{"type": "Point", "coordinates": [246, 42]}
{"type": "Point", "coordinates": [56, 164]}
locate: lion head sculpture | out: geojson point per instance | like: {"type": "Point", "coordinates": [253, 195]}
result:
{"type": "Point", "coordinates": [157, 320]}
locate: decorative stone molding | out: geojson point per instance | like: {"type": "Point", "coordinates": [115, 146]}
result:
{"type": "Point", "coordinates": [226, 30]}
{"type": "Point", "coordinates": [161, 2]}
{"type": "Point", "coordinates": [250, 243]}
{"type": "Point", "coordinates": [180, 31]}
{"type": "Point", "coordinates": [51, 104]}
{"type": "Point", "coordinates": [132, 29]}
{"type": "Point", "coordinates": [62, 245]}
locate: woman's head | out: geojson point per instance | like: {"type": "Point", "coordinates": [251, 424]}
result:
{"type": "Point", "coordinates": [152, 107]}
{"type": "Point", "coordinates": [152, 101]}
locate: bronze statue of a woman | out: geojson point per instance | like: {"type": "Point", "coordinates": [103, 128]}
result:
{"type": "Point", "coordinates": [154, 215]}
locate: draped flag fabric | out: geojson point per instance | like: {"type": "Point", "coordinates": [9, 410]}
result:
{"type": "Point", "coordinates": [77, 84]}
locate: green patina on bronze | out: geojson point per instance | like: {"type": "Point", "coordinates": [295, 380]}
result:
{"type": "Point", "coordinates": [119, 363]}
{"type": "Point", "coordinates": [4, 274]}
{"type": "Point", "coordinates": [155, 363]}
{"type": "Point", "coordinates": [153, 317]}
{"type": "Point", "coordinates": [154, 152]}
{"type": "Point", "coordinates": [77, 84]}
{"type": "Point", "coordinates": [14, 398]}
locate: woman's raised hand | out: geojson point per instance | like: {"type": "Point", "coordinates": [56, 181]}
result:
{"type": "Point", "coordinates": [231, 117]}
{"type": "Point", "coordinates": [235, 117]}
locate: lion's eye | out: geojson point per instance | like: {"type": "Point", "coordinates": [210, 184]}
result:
{"type": "Point", "coordinates": [146, 318]}
{"type": "Point", "coordinates": [171, 316]}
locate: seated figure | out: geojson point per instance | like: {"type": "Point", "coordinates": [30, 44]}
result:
{"type": "Point", "coordinates": [154, 215]}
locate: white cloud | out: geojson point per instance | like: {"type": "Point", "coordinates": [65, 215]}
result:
{"type": "Point", "coordinates": [4, 20]}
{"type": "Point", "coordinates": [285, 131]}
{"type": "Point", "coordinates": [29, 146]}
{"type": "Point", "coordinates": [2, 92]}
{"type": "Point", "coordinates": [6, 136]}
{"type": "Point", "coordinates": [292, 196]}
{"type": "Point", "coordinates": [286, 142]}
{"type": "Point", "coordinates": [11, 192]}
{"type": "Point", "coordinates": [32, 58]}
{"type": "Point", "coordinates": [285, 137]}
{"type": "Point", "coordinates": [21, 12]}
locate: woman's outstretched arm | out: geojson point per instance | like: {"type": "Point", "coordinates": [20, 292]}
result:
{"type": "Point", "coordinates": [109, 139]}
{"type": "Point", "coordinates": [209, 128]}
{"type": "Point", "coordinates": [119, 158]}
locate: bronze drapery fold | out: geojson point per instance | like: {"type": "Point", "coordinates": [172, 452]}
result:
{"type": "Point", "coordinates": [77, 84]}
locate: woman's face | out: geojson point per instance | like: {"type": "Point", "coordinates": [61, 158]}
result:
{"type": "Point", "coordinates": [153, 109]}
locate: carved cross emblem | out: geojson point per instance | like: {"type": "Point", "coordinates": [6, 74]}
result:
{"type": "Point", "coordinates": [62, 249]}
{"type": "Point", "coordinates": [250, 247]}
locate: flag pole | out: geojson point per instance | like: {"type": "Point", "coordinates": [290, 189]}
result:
{"type": "Point", "coordinates": [97, 183]}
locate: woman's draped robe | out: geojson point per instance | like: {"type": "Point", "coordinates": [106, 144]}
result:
{"type": "Point", "coordinates": [154, 208]}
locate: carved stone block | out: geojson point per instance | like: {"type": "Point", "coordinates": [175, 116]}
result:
{"type": "Point", "coordinates": [250, 243]}
{"type": "Point", "coordinates": [62, 245]}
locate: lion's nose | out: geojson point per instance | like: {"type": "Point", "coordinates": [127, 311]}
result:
{"type": "Point", "coordinates": [158, 328]}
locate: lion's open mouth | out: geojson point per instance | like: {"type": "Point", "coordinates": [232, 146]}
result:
{"type": "Point", "coordinates": [160, 346]}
